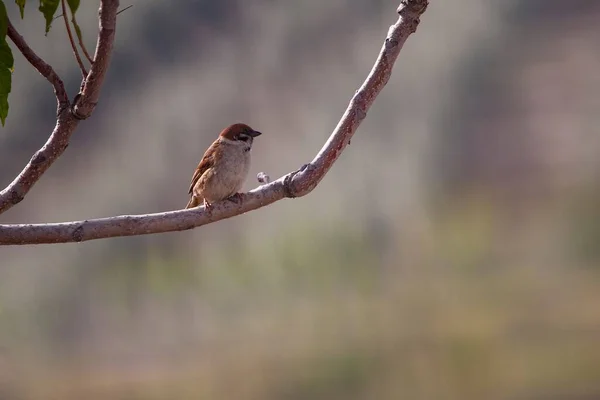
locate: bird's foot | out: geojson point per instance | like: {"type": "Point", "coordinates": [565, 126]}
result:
{"type": "Point", "coordinates": [207, 206]}
{"type": "Point", "coordinates": [236, 198]}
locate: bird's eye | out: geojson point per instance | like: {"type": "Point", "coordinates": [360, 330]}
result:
{"type": "Point", "coordinates": [243, 137]}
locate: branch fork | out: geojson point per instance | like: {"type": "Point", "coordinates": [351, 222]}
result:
{"type": "Point", "coordinates": [66, 122]}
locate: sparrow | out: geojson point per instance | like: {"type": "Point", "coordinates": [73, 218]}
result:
{"type": "Point", "coordinates": [224, 166]}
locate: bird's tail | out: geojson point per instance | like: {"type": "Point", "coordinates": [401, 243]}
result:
{"type": "Point", "coordinates": [194, 202]}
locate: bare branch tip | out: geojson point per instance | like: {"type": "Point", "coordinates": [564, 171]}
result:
{"type": "Point", "coordinates": [417, 7]}
{"type": "Point", "coordinates": [125, 9]}
{"type": "Point", "coordinates": [263, 178]}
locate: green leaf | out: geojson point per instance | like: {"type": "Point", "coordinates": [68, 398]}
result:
{"type": "Point", "coordinates": [6, 65]}
{"type": "Point", "coordinates": [5, 83]}
{"type": "Point", "coordinates": [6, 58]}
{"type": "Point", "coordinates": [73, 5]}
{"type": "Point", "coordinates": [48, 8]}
{"type": "Point", "coordinates": [3, 21]}
{"type": "Point", "coordinates": [21, 4]}
{"type": "Point", "coordinates": [77, 29]}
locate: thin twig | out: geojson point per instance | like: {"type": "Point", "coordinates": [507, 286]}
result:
{"type": "Point", "coordinates": [125, 9]}
{"type": "Point", "coordinates": [73, 46]}
{"type": "Point", "coordinates": [67, 119]}
{"type": "Point", "coordinates": [87, 55]}
{"type": "Point", "coordinates": [40, 65]}
{"type": "Point", "coordinates": [80, 38]}
{"type": "Point", "coordinates": [294, 184]}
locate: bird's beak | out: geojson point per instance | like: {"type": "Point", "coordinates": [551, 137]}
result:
{"type": "Point", "coordinates": [255, 134]}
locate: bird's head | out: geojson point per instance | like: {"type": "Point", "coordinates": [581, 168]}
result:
{"type": "Point", "coordinates": [239, 133]}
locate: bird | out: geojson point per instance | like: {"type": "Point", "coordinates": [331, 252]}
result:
{"type": "Point", "coordinates": [224, 167]}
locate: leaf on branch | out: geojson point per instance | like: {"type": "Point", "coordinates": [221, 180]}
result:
{"type": "Point", "coordinates": [21, 4]}
{"type": "Point", "coordinates": [77, 29]}
{"type": "Point", "coordinates": [3, 21]}
{"type": "Point", "coordinates": [73, 5]}
{"type": "Point", "coordinates": [48, 8]}
{"type": "Point", "coordinates": [6, 65]}
{"type": "Point", "coordinates": [6, 58]}
{"type": "Point", "coordinates": [5, 83]}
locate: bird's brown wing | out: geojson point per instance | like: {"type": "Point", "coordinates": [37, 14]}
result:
{"type": "Point", "coordinates": [208, 160]}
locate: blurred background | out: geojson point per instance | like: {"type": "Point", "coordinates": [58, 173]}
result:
{"type": "Point", "coordinates": [453, 252]}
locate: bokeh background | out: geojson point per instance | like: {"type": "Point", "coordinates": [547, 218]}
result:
{"type": "Point", "coordinates": [453, 252]}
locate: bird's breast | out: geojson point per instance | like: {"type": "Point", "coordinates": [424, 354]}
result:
{"type": "Point", "coordinates": [227, 177]}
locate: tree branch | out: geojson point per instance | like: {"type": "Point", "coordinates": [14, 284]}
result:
{"type": "Point", "coordinates": [67, 119]}
{"type": "Point", "coordinates": [40, 65]}
{"type": "Point", "coordinates": [294, 184]}
{"type": "Point", "coordinates": [73, 46]}
{"type": "Point", "coordinates": [90, 94]}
